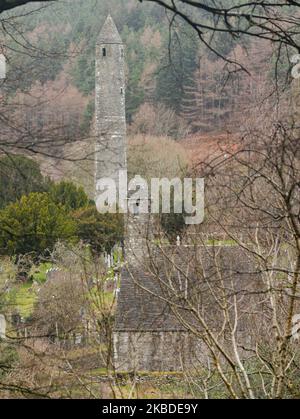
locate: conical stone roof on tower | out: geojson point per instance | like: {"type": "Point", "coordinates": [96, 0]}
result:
{"type": "Point", "coordinates": [109, 33]}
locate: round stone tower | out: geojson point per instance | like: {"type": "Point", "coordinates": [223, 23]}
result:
{"type": "Point", "coordinates": [110, 124]}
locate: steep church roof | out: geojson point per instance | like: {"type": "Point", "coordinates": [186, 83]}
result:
{"type": "Point", "coordinates": [144, 290]}
{"type": "Point", "coordinates": [109, 33]}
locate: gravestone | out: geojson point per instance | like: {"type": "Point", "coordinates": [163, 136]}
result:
{"type": "Point", "coordinates": [2, 67]}
{"type": "Point", "coordinates": [52, 274]}
{"type": "Point", "coordinates": [78, 339]}
{"type": "Point", "coordinates": [2, 327]}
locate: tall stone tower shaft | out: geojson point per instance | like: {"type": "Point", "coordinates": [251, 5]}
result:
{"type": "Point", "coordinates": [110, 125]}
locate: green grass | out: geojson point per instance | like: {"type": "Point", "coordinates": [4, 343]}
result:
{"type": "Point", "coordinates": [98, 372]}
{"type": "Point", "coordinates": [24, 299]}
{"type": "Point", "coordinates": [22, 296]}
{"type": "Point", "coordinates": [101, 299]}
{"type": "Point", "coordinates": [39, 272]}
{"type": "Point", "coordinates": [213, 242]}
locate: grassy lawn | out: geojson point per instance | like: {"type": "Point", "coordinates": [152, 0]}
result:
{"type": "Point", "coordinates": [102, 300]}
{"type": "Point", "coordinates": [213, 242]}
{"type": "Point", "coordinates": [39, 272]}
{"type": "Point", "coordinates": [24, 298]}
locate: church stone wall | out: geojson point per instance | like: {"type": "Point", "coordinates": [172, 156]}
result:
{"type": "Point", "coordinates": [155, 351]}
{"type": "Point", "coordinates": [168, 351]}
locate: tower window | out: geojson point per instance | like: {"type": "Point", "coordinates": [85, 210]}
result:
{"type": "Point", "coordinates": [136, 208]}
{"type": "Point", "coordinates": [121, 90]}
{"type": "Point", "coordinates": [122, 53]}
{"type": "Point", "coordinates": [103, 52]}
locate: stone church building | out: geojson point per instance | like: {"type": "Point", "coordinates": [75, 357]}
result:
{"type": "Point", "coordinates": [164, 290]}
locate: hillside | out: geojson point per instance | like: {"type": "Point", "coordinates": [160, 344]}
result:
{"type": "Point", "coordinates": [167, 68]}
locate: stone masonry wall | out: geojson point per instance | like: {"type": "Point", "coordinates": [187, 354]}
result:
{"type": "Point", "coordinates": [154, 351]}
{"type": "Point", "coordinates": [110, 124]}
